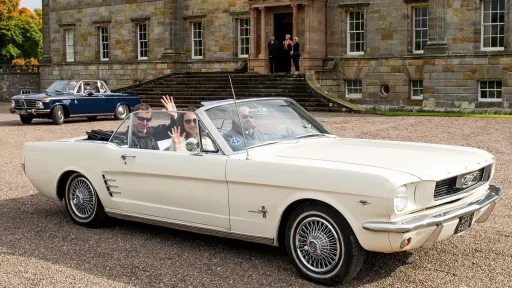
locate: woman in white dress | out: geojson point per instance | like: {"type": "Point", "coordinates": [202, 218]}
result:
{"type": "Point", "coordinates": [186, 128]}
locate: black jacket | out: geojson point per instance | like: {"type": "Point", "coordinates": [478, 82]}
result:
{"type": "Point", "coordinates": [296, 49]}
{"type": "Point", "coordinates": [273, 49]}
{"type": "Point", "coordinates": [152, 136]}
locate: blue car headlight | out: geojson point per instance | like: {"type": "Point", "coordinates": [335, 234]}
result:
{"type": "Point", "coordinates": [39, 105]}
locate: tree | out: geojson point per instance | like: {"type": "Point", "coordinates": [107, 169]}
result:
{"type": "Point", "coordinates": [21, 32]}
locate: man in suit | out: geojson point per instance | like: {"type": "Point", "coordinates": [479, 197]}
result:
{"type": "Point", "coordinates": [273, 53]}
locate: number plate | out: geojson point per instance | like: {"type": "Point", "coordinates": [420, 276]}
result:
{"type": "Point", "coordinates": [21, 112]}
{"type": "Point", "coordinates": [464, 223]}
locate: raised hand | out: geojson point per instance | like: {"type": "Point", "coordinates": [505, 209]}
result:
{"type": "Point", "coordinates": [169, 105]}
{"type": "Point", "coordinates": [177, 139]}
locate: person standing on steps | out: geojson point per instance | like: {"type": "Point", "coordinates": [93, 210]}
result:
{"type": "Point", "coordinates": [296, 54]}
{"type": "Point", "coordinates": [288, 54]}
{"type": "Point", "coordinates": [273, 54]}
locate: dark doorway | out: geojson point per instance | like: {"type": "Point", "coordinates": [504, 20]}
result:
{"type": "Point", "coordinates": [283, 24]}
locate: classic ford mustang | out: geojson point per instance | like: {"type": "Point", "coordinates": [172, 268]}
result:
{"type": "Point", "coordinates": [73, 98]}
{"type": "Point", "coordinates": [264, 170]}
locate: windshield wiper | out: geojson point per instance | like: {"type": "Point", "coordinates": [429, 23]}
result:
{"type": "Point", "coordinates": [310, 135]}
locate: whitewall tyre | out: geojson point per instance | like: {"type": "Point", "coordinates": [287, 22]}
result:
{"type": "Point", "coordinates": [82, 202]}
{"type": "Point", "coordinates": [322, 246]}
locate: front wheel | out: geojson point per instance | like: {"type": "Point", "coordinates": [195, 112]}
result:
{"type": "Point", "coordinates": [322, 245]}
{"type": "Point", "coordinates": [58, 115]}
{"type": "Point", "coordinates": [82, 202]}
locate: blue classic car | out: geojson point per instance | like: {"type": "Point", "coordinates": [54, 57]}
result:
{"type": "Point", "coordinates": [73, 98]}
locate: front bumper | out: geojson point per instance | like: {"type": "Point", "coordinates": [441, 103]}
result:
{"type": "Point", "coordinates": [436, 222]}
{"type": "Point", "coordinates": [32, 111]}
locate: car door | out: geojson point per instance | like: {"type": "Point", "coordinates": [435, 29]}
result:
{"type": "Point", "coordinates": [89, 105]}
{"type": "Point", "coordinates": [176, 186]}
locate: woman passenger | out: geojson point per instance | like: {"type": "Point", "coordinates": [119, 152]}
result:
{"type": "Point", "coordinates": [186, 128]}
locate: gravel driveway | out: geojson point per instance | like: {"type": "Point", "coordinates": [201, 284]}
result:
{"type": "Point", "coordinates": [40, 247]}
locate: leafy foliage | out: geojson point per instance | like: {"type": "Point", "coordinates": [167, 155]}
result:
{"type": "Point", "coordinates": [21, 32]}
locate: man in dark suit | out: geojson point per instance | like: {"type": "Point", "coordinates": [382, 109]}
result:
{"type": "Point", "coordinates": [273, 53]}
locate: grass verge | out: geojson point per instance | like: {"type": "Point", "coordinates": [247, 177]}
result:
{"type": "Point", "coordinates": [441, 114]}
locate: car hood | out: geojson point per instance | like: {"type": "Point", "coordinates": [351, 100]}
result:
{"type": "Point", "coordinates": [43, 96]}
{"type": "Point", "coordinates": [423, 160]}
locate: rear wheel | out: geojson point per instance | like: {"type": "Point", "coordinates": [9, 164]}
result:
{"type": "Point", "coordinates": [322, 245]}
{"type": "Point", "coordinates": [82, 202]}
{"type": "Point", "coordinates": [121, 112]}
{"type": "Point", "coordinates": [26, 119]}
{"type": "Point", "coordinates": [58, 115]}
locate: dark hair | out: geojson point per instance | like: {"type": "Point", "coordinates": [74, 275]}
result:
{"type": "Point", "coordinates": [181, 121]}
{"type": "Point", "coordinates": [141, 107]}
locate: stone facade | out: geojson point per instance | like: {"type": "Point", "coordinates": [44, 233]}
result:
{"type": "Point", "coordinates": [14, 82]}
{"type": "Point", "coordinates": [447, 73]}
{"type": "Point", "coordinates": [168, 30]}
{"type": "Point", "coordinates": [385, 68]}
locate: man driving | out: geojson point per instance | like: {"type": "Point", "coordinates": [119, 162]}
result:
{"type": "Point", "coordinates": [234, 136]}
{"type": "Point", "coordinates": [145, 137]}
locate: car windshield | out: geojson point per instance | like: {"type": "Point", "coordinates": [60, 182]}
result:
{"type": "Point", "coordinates": [62, 86]}
{"type": "Point", "coordinates": [264, 121]}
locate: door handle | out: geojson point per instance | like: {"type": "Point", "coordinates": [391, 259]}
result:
{"type": "Point", "coordinates": [124, 156]}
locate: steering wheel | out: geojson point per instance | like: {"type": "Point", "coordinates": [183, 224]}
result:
{"type": "Point", "coordinates": [290, 130]}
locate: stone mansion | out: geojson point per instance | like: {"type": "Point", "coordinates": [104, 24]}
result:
{"type": "Point", "coordinates": [429, 53]}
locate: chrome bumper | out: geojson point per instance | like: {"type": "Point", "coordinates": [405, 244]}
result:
{"type": "Point", "coordinates": [438, 219]}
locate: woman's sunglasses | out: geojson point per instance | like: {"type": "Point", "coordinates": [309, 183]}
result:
{"type": "Point", "coordinates": [189, 121]}
{"type": "Point", "coordinates": [142, 119]}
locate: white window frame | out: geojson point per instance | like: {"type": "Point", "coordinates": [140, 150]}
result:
{"type": "Point", "coordinates": [351, 86]}
{"type": "Point", "coordinates": [414, 28]}
{"type": "Point", "coordinates": [413, 88]}
{"type": "Point", "coordinates": [25, 91]}
{"type": "Point", "coordinates": [140, 41]}
{"type": "Point", "coordinates": [483, 25]}
{"type": "Point", "coordinates": [70, 44]}
{"type": "Point", "coordinates": [247, 36]}
{"type": "Point", "coordinates": [362, 30]}
{"type": "Point", "coordinates": [496, 90]}
{"type": "Point", "coordinates": [194, 39]}
{"type": "Point", "coordinates": [104, 45]}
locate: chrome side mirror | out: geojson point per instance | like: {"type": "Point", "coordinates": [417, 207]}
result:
{"type": "Point", "coordinates": [192, 145]}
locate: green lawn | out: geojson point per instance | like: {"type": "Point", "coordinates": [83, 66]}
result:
{"type": "Point", "coordinates": [441, 114]}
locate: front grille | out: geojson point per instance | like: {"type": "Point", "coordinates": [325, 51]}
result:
{"type": "Point", "coordinates": [448, 187]}
{"type": "Point", "coordinates": [25, 103]}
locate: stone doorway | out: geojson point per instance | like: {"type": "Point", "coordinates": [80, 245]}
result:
{"type": "Point", "coordinates": [283, 24]}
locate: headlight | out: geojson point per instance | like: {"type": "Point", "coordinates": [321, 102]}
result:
{"type": "Point", "coordinates": [12, 104]}
{"type": "Point", "coordinates": [39, 105]}
{"type": "Point", "coordinates": [401, 198]}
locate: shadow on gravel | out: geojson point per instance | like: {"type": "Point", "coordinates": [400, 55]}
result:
{"type": "Point", "coordinates": [146, 255]}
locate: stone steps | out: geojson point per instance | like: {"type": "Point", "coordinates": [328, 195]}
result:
{"type": "Point", "coordinates": [190, 89]}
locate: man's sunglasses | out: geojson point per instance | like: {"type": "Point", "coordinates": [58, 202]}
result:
{"type": "Point", "coordinates": [246, 116]}
{"type": "Point", "coordinates": [141, 119]}
{"type": "Point", "coordinates": [188, 121]}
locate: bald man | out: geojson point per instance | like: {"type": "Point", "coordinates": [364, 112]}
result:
{"type": "Point", "coordinates": [234, 136]}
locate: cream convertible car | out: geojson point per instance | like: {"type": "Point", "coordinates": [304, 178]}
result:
{"type": "Point", "coordinates": [326, 199]}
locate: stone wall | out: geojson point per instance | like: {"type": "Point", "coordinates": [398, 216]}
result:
{"type": "Point", "coordinates": [122, 75]}
{"type": "Point", "coordinates": [451, 78]}
{"type": "Point", "coordinates": [168, 32]}
{"type": "Point", "coordinates": [12, 82]}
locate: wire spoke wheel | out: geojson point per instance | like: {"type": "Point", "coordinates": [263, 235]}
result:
{"type": "Point", "coordinates": [82, 198]}
{"type": "Point", "coordinates": [317, 245]}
